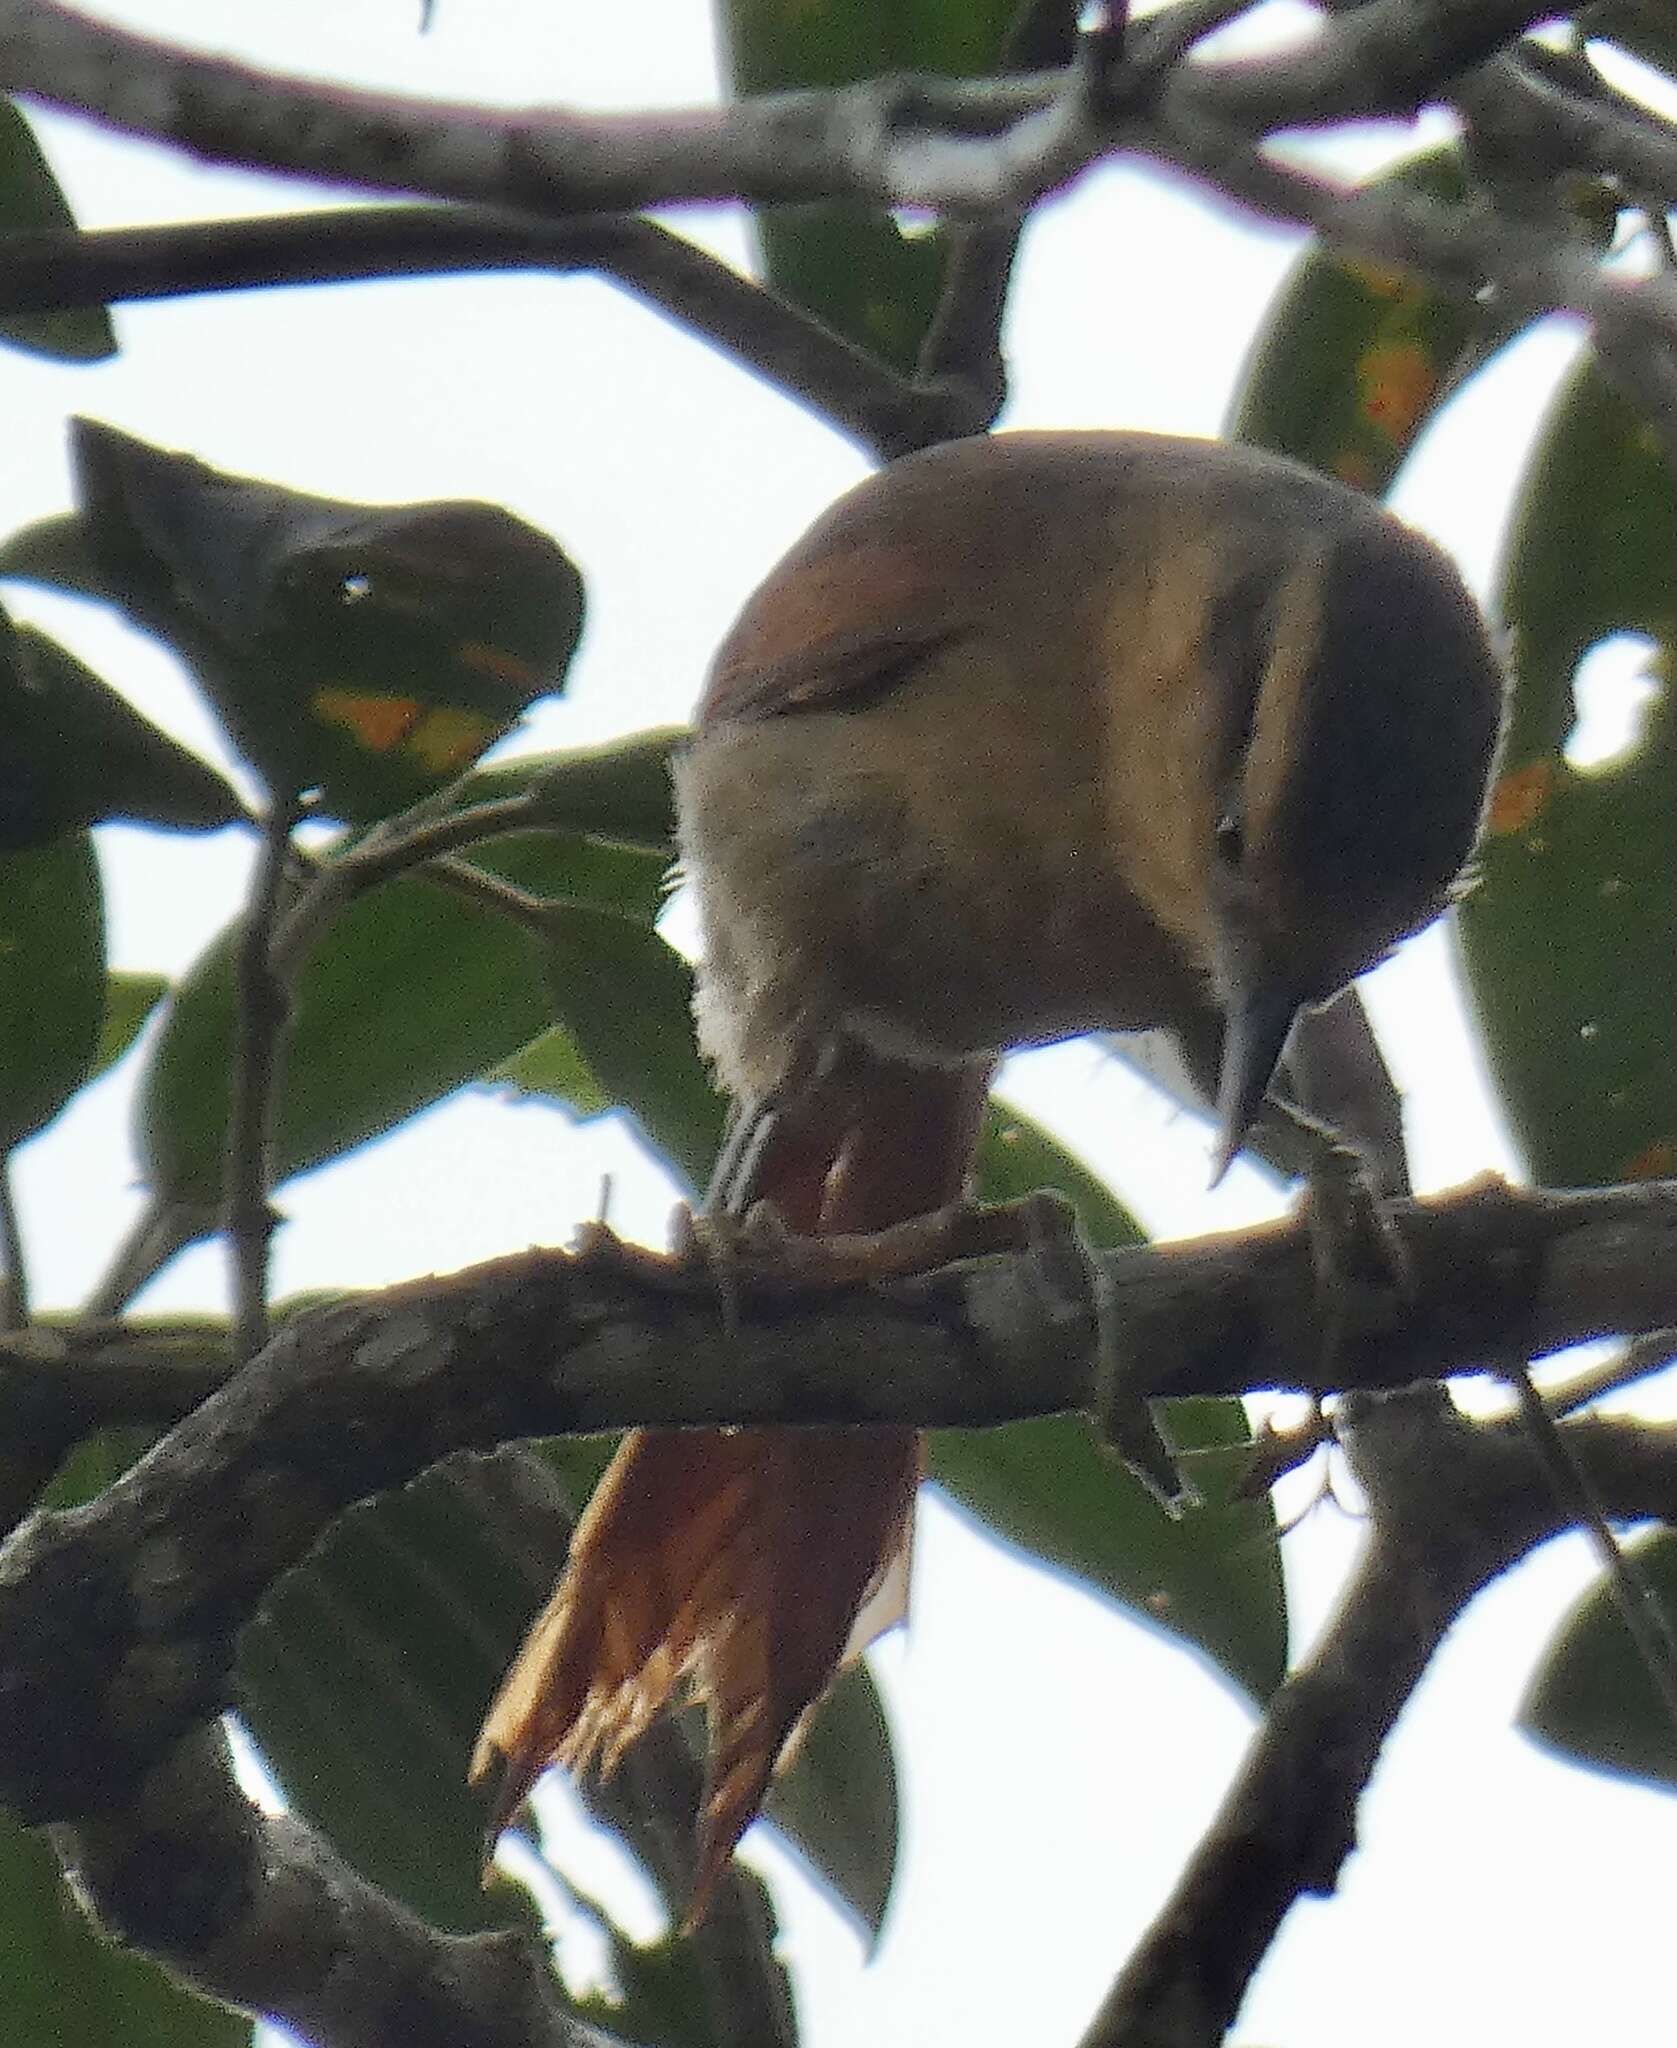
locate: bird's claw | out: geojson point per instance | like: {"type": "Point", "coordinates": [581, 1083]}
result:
{"type": "Point", "coordinates": [1076, 1280]}
{"type": "Point", "coordinates": [1361, 1265]}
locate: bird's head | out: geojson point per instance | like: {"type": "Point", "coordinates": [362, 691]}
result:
{"type": "Point", "coordinates": [1351, 802]}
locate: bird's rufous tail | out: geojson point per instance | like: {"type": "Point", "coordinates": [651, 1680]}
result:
{"type": "Point", "coordinates": [747, 1565]}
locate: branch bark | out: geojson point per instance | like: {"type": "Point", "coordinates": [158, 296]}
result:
{"type": "Point", "coordinates": [259, 1912]}
{"type": "Point", "coordinates": [1451, 1505]}
{"type": "Point", "coordinates": [118, 1620]}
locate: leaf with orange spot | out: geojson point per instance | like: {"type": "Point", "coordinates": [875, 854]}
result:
{"type": "Point", "coordinates": [1570, 939]}
{"type": "Point", "coordinates": [1353, 356]}
{"type": "Point", "coordinates": [369, 652]}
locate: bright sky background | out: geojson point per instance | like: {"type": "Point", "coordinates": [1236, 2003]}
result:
{"type": "Point", "coordinates": [1058, 1761]}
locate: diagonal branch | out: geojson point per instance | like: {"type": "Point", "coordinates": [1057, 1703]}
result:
{"type": "Point", "coordinates": [1452, 1504]}
{"type": "Point", "coordinates": [863, 396]}
{"type": "Point", "coordinates": [259, 1912]}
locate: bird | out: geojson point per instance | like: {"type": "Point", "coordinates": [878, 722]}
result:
{"type": "Point", "coordinates": [1031, 734]}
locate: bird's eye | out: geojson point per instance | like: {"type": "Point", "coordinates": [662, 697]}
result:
{"type": "Point", "coordinates": [1231, 840]}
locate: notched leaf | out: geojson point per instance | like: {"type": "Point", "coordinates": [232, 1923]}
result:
{"type": "Point", "coordinates": [370, 653]}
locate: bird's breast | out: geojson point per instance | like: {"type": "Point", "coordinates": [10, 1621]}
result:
{"type": "Point", "coordinates": [926, 877]}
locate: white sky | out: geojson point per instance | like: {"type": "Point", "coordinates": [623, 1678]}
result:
{"type": "Point", "coordinates": [1058, 1761]}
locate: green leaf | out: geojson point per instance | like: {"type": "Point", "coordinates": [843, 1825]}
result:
{"type": "Point", "coordinates": [74, 752]}
{"type": "Point", "coordinates": [369, 652]}
{"type": "Point", "coordinates": [1570, 940]}
{"type": "Point", "coordinates": [837, 1801]}
{"type": "Point", "coordinates": [52, 981]}
{"type": "Point", "coordinates": [624, 1038]}
{"type": "Point", "coordinates": [1353, 356]}
{"type": "Point", "coordinates": [370, 1666]}
{"type": "Point", "coordinates": [620, 792]}
{"type": "Point", "coordinates": [129, 1001]}
{"type": "Point", "coordinates": [60, 1982]}
{"type": "Point", "coordinates": [57, 552]}
{"type": "Point", "coordinates": [858, 269]}
{"type": "Point", "coordinates": [32, 203]}
{"type": "Point", "coordinates": [670, 1993]}
{"type": "Point", "coordinates": [1591, 1698]}
{"type": "Point", "coordinates": [1214, 1576]}
{"type": "Point", "coordinates": [411, 994]}
{"type": "Point", "coordinates": [1643, 27]}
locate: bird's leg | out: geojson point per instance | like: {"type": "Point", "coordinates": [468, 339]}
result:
{"type": "Point", "coordinates": [1077, 1284]}
{"type": "Point", "coordinates": [1363, 1274]}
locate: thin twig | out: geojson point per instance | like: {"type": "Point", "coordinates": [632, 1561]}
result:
{"type": "Point", "coordinates": [1644, 1615]}
{"type": "Point", "coordinates": [1642, 1356]}
{"type": "Point", "coordinates": [263, 1011]}
{"type": "Point", "coordinates": [393, 849]}
{"type": "Point", "coordinates": [163, 1228]}
{"type": "Point", "coordinates": [858, 393]}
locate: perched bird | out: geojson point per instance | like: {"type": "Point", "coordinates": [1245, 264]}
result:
{"type": "Point", "coordinates": [1028, 735]}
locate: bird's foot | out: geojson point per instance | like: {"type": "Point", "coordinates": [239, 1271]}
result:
{"type": "Point", "coordinates": [1077, 1282]}
{"type": "Point", "coordinates": [1363, 1274]}
{"type": "Point", "coordinates": [757, 1252]}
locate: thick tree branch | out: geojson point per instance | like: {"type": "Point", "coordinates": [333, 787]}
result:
{"type": "Point", "coordinates": [259, 1912]}
{"type": "Point", "coordinates": [118, 1620]}
{"type": "Point", "coordinates": [1451, 1505]}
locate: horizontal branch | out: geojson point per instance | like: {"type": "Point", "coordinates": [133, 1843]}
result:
{"type": "Point", "coordinates": [118, 1620]}
{"type": "Point", "coordinates": [970, 145]}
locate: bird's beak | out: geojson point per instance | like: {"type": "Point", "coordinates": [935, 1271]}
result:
{"type": "Point", "coordinates": [1255, 1030]}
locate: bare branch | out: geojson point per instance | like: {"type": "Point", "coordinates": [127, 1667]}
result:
{"type": "Point", "coordinates": [262, 1914]}
{"type": "Point", "coordinates": [973, 146]}
{"type": "Point", "coordinates": [1452, 1505]}
{"type": "Point", "coordinates": [860, 395]}
{"type": "Point", "coordinates": [264, 1012]}
{"type": "Point", "coordinates": [117, 1621]}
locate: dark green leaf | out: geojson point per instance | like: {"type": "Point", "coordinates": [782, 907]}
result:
{"type": "Point", "coordinates": [52, 981]}
{"type": "Point", "coordinates": [1213, 1577]}
{"type": "Point", "coordinates": [1353, 356]}
{"type": "Point", "coordinates": [129, 1001]}
{"type": "Point", "coordinates": [837, 1803]}
{"type": "Point", "coordinates": [624, 1038]}
{"type": "Point", "coordinates": [63, 1986]}
{"type": "Point", "coordinates": [369, 652]}
{"type": "Point", "coordinates": [368, 1670]}
{"type": "Point", "coordinates": [859, 270]}
{"type": "Point", "coordinates": [74, 752]}
{"type": "Point", "coordinates": [411, 994]}
{"type": "Point", "coordinates": [669, 1990]}
{"type": "Point", "coordinates": [1571, 938]}
{"type": "Point", "coordinates": [58, 553]}
{"type": "Point", "coordinates": [1643, 27]}
{"type": "Point", "coordinates": [1592, 1698]}
{"type": "Point", "coordinates": [31, 203]}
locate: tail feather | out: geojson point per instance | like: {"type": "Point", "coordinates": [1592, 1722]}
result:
{"type": "Point", "coordinates": [746, 1566]}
